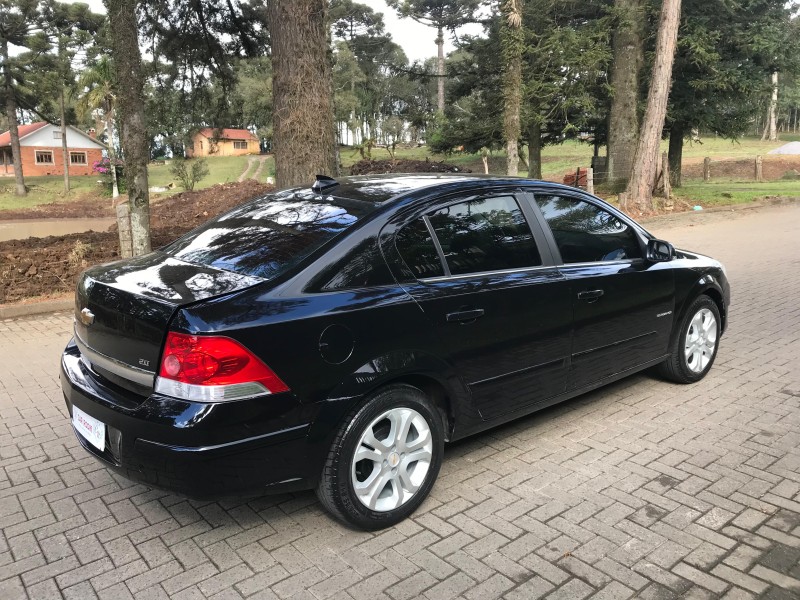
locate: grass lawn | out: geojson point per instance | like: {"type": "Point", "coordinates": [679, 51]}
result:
{"type": "Point", "coordinates": [719, 193]}
{"type": "Point", "coordinates": [43, 190]}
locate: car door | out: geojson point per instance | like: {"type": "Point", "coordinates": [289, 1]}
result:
{"type": "Point", "coordinates": [496, 304]}
{"type": "Point", "coordinates": [623, 305]}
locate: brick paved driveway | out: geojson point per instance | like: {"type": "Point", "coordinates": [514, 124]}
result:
{"type": "Point", "coordinates": [640, 489]}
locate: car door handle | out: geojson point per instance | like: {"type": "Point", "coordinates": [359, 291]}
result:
{"type": "Point", "coordinates": [590, 295]}
{"type": "Point", "coordinates": [464, 315]}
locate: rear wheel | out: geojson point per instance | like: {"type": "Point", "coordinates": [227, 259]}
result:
{"type": "Point", "coordinates": [695, 348]}
{"type": "Point", "coordinates": [384, 460]}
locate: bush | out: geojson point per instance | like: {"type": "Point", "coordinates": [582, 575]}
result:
{"type": "Point", "coordinates": [103, 167]}
{"type": "Point", "coordinates": [189, 176]}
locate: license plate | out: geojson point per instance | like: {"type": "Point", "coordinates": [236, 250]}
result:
{"type": "Point", "coordinates": [91, 429]}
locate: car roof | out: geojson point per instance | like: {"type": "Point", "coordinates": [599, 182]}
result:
{"type": "Point", "coordinates": [378, 189]}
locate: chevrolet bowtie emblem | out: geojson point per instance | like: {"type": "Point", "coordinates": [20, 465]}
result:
{"type": "Point", "coordinates": [86, 316]}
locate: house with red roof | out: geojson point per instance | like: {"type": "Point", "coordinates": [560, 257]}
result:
{"type": "Point", "coordinates": [40, 145]}
{"type": "Point", "coordinates": [222, 142]}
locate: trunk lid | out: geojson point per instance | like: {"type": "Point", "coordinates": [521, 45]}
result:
{"type": "Point", "coordinates": [122, 311]}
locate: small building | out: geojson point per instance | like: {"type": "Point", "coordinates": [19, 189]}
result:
{"type": "Point", "coordinates": [222, 142]}
{"type": "Point", "coordinates": [40, 145]}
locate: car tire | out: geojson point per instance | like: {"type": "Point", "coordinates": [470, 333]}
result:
{"type": "Point", "coordinates": [384, 460]}
{"type": "Point", "coordinates": [695, 347]}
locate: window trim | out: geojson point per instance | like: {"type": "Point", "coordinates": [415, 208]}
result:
{"type": "Point", "coordinates": [39, 153]}
{"type": "Point", "coordinates": [237, 145]}
{"type": "Point", "coordinates": [436, 244]}
{"type": "Point", "coordinates": [78, 153]}
{"type": "Point", "coordinates": [640, 233]}
{"type": "Point", "coordinates": [486, 273]}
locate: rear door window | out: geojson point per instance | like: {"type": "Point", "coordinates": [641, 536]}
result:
{"type": "Point", "coordinates": [490, 234]}
{"type": "Point", "coordinates": [585, 232]}
{"type": "Point", "coordinates": [415, 245]}
{"type": "Point", "coordinates": [269, 235]}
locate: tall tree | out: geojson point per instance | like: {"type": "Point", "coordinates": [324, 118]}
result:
{"type": "Point", "coordinates": [135, 143]}
{"type": "Point", "coordinates": [564, 83]}
{"type": "Point", "coordinates": [771, 128]}
{"type": "Point", "coordinates": [645, 164]}
{"type": "Point", "coordinates": [69, 29]}
{"type": "Point", "coordinates": [443, 15]}
{"type": "Point", "coordinates": [20, 23]}
{"type": "Point", "coordinates": [98, 99]}
{"type": "Point", "coordinates": [725, 53]}
{"type": "Point", "coordinates": [303, 128]}
{"type": "Point", "coordinates": [512, 40]}
{"type": "Point", "coordinates": [623, 120]}
{"type": "Point", "coordinates": [199, 49]}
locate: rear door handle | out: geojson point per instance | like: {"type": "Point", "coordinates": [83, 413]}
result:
{"type": "Point", "coordinates": [590, 294]}
{"type": "Point", "coordinates": [464, 315]}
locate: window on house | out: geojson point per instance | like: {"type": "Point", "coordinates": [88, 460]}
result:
{"type": "Point", "coordinates": [56, 135]}
{"type": "Point", "coordinates": [44, 157]}
{"type": "Point", "coordinates": [240, 145]}
{"type": "Point", "coordinates": [77, 158]}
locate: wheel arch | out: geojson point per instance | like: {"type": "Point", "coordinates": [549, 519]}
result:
{"type": "Point", "coordinates": [706, 285]}
{"type": "Point", "coordinates": [434, 376]}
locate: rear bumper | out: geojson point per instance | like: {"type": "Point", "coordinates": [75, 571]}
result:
{"type": "Point", "coordinates": [196, 449]}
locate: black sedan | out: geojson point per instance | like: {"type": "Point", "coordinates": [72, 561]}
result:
{"type": "Point", "coordinates": [335, 337]}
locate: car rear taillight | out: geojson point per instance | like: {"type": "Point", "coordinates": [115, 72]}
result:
{"type": "Point", "coordinates": [213, 369]}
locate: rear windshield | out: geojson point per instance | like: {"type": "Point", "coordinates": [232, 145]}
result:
{"type": "Point", "coordinates": [267, 236]}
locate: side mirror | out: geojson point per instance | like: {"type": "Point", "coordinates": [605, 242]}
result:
{"type": "Point", "coordinates": [660, 251]}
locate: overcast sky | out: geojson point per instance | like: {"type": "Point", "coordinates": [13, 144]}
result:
{"type": "Point", "coordinates": [417, 40]}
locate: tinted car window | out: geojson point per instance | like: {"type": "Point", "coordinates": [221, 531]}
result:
{"type": "Point", "coordinates": [485, 235]}
{"type": "Point", "coordinates": [587, 233]}
{"type": "Point", "coordinates": [362, 267]}
{"type": "Point", "coordinates": [415, 245]}
{"type": "Point", "coordinates": [267, 236]}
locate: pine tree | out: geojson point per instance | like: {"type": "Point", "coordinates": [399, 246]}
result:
{"type": "Point", "coordinates": [134, 136]}
{"type": "Point", "coordinates": [304, 142]}
{"type": "Point", "coordinates": [645, 164]}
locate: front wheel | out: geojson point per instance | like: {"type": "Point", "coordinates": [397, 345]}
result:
{"type": "Point", "coordinates": [695, 348]}
{"type": "Point", "coordinates": [384, 460]}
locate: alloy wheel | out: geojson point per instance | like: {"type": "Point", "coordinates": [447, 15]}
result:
{"type": "Point", "coordinates": [392, 459]}
{"type": "Point", "coordinates": [701, 340]}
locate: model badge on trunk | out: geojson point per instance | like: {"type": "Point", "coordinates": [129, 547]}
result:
{"type": "Point", "coordinates": [86, 316]}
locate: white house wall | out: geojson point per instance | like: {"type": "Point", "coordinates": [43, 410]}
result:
{"type": "Point", "coordinates": [44, 137]}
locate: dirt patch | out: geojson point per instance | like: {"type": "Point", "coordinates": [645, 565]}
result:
{"type": "Point", "coordinates": [377, 167]}
{"type": "Point", "coordinates": [49, 266]}
{"type": "Point", "coordinates": [774, 167]}
{"type": "Point", "coordinates": [190, 209]}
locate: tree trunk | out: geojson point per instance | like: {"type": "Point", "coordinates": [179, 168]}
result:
{"type": "Point", "coordinates": [302, 91]}
{"type": "Point", "coordinates": [535, 149]}
{"type": "Point", "coordinates": [770, 130]}
{"type": "Point", "coordinates": [64, 150]}
{"type": "Point", "coordinates": [623, 126]}
{"type": "Point", "coordinates": [440, 71]}
{"type": "Point", "coordinates": [11, 115]}
{"type": "Point", "coordinates": [645, 164]}
{"type": "Point", "coordinates": [513, 42]}
{"type": "Point", "coordinates": [133, 124]}
{"type": "Point", "coordinates": [112, 153]}
{"type": "Point", "coordinates": [676, 135]}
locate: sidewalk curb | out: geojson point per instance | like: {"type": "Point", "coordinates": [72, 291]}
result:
{"type": "Point", "coordinates": [15, 311]}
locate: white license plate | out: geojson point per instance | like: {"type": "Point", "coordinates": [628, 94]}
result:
{"type": "Point", "coordinates": [90, 428]}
